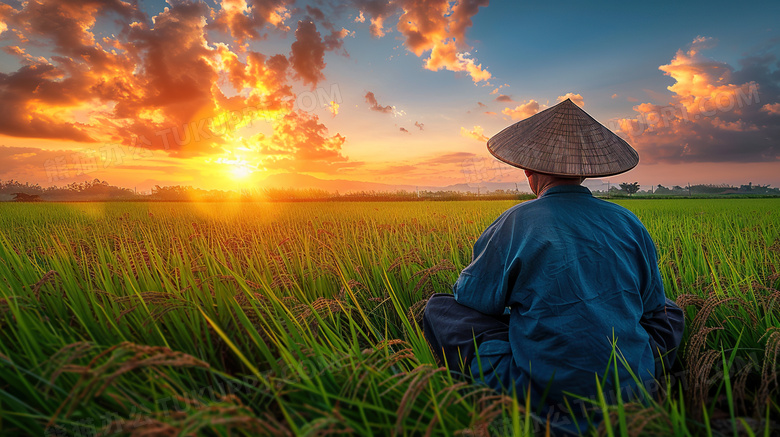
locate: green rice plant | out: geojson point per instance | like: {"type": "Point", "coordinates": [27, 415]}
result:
{"type": "Point", "coordinates": [299, 319]}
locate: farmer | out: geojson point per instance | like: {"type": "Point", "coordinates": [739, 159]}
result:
{"type": "Point", "coordinates": [559, 285]}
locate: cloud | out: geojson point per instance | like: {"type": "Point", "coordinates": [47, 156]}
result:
{"type": "Point", "coordinates": [446, 163]}
{"type": "Point", "coordinates": [632, 99]}
{"type": "Point", "coordinates": [307, 53]}
{"type": "Point", "coordinates": [476, 133]}
{"type": "Point", "coordinates": [334, 41]}
{"type": "Point", "coordinates": [157, 81]}
{"type": "Point", "coordinates": [490, 113]}
{"type": "Point", "coordinates": [716, 113]}
{"type": "Point", "coordinates": [396, 169]}
{"type": "Point", "coordinates": [15, 51]}
{"type": "Point", "coordinates": [523, 110]}
{"type": "Point", "coordinates": [263, 78]}
{"type": "Point", "coordinates": [318, 15]}
{"type": "Point", "coordinates": [375, 106]}
{"type": "Point", "coordinates": [37, 98]}
{"type": "Point", "coordinates": [28, 161]}
{"type": "Point", "coordinates": [57, 166]}
{"type": "Point", "coordinates": [576, 98]}
{"type": "Point", "coordinates": [445, 56]}
{"type": "Point", "coordinates": [432, 26]}
{"type": "Point", "coordinates": [379, 11]}
{"type": "Point", "coordinates": [481, 105]}
{"type": "Point", "coordinates": [333, 108]}
{"type": "Point", "coordinates": [503, 98]}
{"type": "Point", "coordinates": [449, 158]}
{"type": "Point", "coordinates": [71, 36]}
{"type": "Point", "coordinates": [403, 129]}
{"type": "Point", "coordinates": [244, 20]}
{"type": "Point", "coordinates": [419, 125]}
{"type": "Point", "coordinates": [452, 168]}
{"type": "Point", "coordinates": [773, 109]}
{"type": "Point", "coordinates": [497, 89]}
{"type": "Point", "coordinates": [24, 115]}
{"type": "Point", "coordinates": [300, 142]}
{"type": "Point", "coordinates": [614, 96]}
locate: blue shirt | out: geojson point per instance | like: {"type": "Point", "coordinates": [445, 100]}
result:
{"type": "Point", "coordinates": [577, 272]}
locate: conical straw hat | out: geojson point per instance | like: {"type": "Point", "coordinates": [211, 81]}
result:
{"type": "Point", "coordinates": [565, 141]}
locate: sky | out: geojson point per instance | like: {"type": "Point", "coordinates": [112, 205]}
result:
{"type": "Point", "coordinates": [224, 94]}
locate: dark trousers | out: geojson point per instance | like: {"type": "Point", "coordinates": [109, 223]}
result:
{"type": "Point", "coordinates": [455, 331]}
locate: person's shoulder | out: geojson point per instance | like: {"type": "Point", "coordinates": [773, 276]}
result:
{"type": "Point", "coordinates": [613, 207]}
{"type": "Point", "coordinates": [521, 208]}
{"type": "Point", "coordinates": [511, 215]}
{"type": "Point", "coordinates": [621, 213]}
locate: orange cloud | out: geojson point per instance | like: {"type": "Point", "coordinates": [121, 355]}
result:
{"type": "Point", "coordinates": [40, 98]}
{"type": "Point", "coordinates": [576, 98]}
{"type": "Point", "coordinates": [442, 169]}
{"type": "Point", "coordinates": [333, 108]}
{"type": "Point", "coordinates": [715, 114]}
{"type": "Point", "coordinates": [245, 20]}
{"type": "Point", "coordinates": [523, 110]}
{"type": "Point", "coordinates": [156, 82]}
{"type": "Point", "coordinates": [300, 142]}
{"type": "Point", "coordinates": [24, 115]}
{"type": "Point", "coordinates": [698, 80]}
{"type": "Point", "coordinates": [60, 166]}
{"type": "Point", "coordinates": [434, 26]}
{"type": "Point", "coordinates": [476, 133]}
{"type": "Point", "coordinates": [5, 12]}
{"type": "Point", "coordinates": [29, 161]}
{"type": "Point", "coordinates": [447, 166]}
{"type": "Point", "coordinates": [773, 109]}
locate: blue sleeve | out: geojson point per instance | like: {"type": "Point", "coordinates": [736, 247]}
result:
{"type": "Point", "coordinates": [485, 284]}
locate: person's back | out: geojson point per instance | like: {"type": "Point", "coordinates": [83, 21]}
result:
{"type": "Point", "coordinates": [590, 274]}
{"type": "Point", "coordinates": [579, 276]}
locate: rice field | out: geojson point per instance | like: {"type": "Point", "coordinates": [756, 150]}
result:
{"type": "Point", "coordinates": [302, 319]}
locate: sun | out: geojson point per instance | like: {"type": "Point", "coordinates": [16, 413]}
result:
{"type": "Point", "coordinates": [237, 168]}
{"type": "Point", "coordinates": [241, 171]}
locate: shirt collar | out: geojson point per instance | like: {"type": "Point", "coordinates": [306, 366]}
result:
{"type": "Point", "coordinates": [562, 189]}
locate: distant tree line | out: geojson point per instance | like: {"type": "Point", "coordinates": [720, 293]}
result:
{"type": "Point", "coordinates": [627, 189]}
{"type": "Point", "coordinates": [97, 190]}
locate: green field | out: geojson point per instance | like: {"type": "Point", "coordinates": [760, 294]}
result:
{"type": "Point", "coordinates": [279, 319]}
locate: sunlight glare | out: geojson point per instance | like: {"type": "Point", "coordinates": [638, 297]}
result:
{"type": "Point", "coordinates": [242, 170]}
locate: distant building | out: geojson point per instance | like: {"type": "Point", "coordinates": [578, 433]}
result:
{"type": "Point", "coordinates": [22, 197]}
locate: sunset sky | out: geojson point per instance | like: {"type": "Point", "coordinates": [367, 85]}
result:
{"type": "Point", "coordinates": [223, 94]}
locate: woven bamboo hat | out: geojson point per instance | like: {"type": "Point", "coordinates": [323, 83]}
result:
{"type": "Point", "coordinates": [565, 141]}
